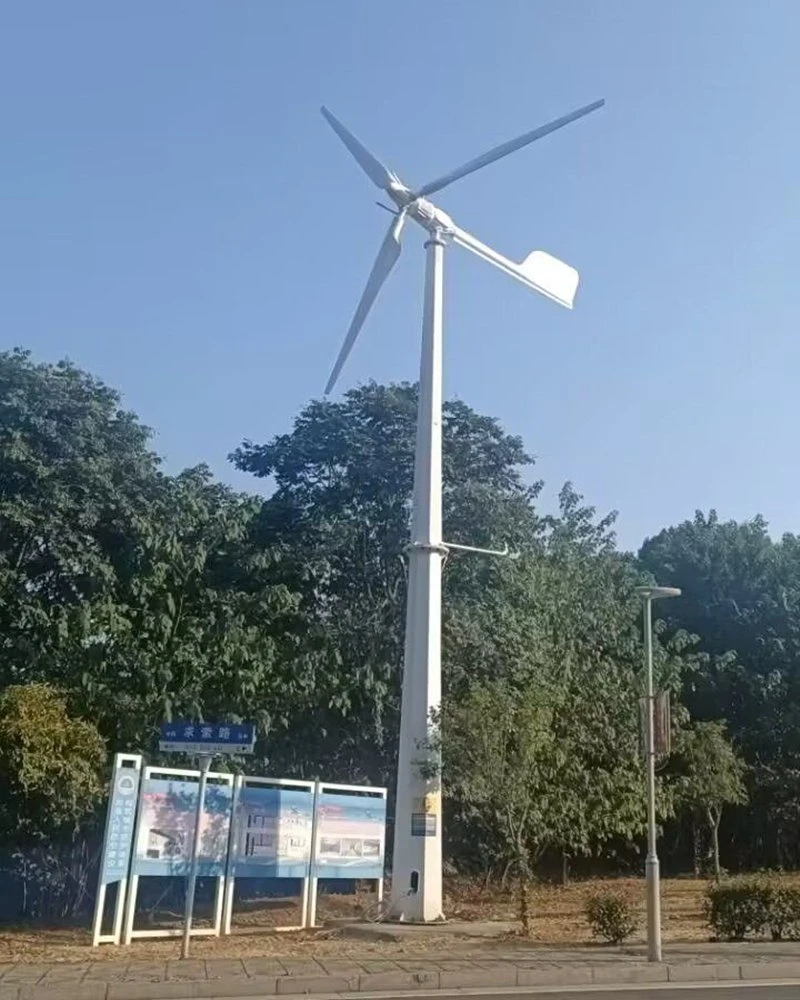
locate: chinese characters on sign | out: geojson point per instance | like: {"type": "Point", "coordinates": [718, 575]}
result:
{"type": "Point", "coordinates": [207, 738]}
{"type": "Point", "coordinates": [120, 824]}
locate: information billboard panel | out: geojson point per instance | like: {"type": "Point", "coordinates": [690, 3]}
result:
{"type": "Point", "coordinates": [166, 828]}
{"type": "Point", "coordinates": [350, 834]}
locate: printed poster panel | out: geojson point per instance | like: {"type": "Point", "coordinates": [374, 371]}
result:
{"type": "Point", "coordinates": [350, 835]}
{"type": "Point", "coordinates": [272, 837]}
{"type": "Point", "coordinates": [120, 825]}
{"type": "Point", "coordinates": [166, 828]}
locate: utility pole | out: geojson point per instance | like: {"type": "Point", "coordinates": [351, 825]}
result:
{"type": "Point", "coordinates": [652, 865]}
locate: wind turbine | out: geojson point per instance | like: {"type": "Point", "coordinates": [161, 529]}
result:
{"type": "Point", "coordinates": [417, 862]}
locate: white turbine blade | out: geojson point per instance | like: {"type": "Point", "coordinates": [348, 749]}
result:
{"type": "Point", "coordinates": [384, 262]}
{"type": "Point", "coordinates": [372, 167]}
{"type": "Point", "coordinates": [539, 271]}
{"type": "Point", "coordinates": [503, 150]}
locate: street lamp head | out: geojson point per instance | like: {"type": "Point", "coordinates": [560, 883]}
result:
{"type": "Point", "coordinates": [654, 593]}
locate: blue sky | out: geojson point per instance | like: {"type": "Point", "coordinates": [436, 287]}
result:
{"type": "Point", "coordinates": [176, 216]}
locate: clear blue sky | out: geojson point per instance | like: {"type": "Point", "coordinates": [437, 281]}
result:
{"type": "Point", "coordinates": [176, 216]}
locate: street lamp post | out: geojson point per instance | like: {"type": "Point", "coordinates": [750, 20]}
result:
{"type": "Point", "coordinates": [652, 874]}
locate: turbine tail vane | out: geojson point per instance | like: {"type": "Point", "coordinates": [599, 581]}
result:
{"type": "Point", "coordinates": [498, 152]}
{"type": "Point", "coordinates": [381, 269]}
{"type": "Point", "coordinates": [540, 271]}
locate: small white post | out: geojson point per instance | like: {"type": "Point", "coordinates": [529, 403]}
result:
{"type": "Point", "coordinates": [130, 909]}
{"type": "Point", "coordinates": [133, 885]}
{"type": "Point", "coordinates": [205, 764]}
{"type": "Point", "coordinates": [119, 909]}
{"type": "Point", "coordinates": [99, 907]}
{"type": "Point", "coordinates": [304, 901]}
{"type": "Point", "coordinates": [233, 854]}
{"type": "Point", "coordinates": [219, 904]}
{"type": "Point", "coordinates": [312, 882]}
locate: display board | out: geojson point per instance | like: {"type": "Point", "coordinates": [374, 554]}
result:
{"type": "Point", "coordinates": [164, 831]}
{"type": "Point", "coordinates": [251, 827]}
{"type": "Point", "coordinates": [166, 827]}
{"type": "Point", "coordinates": [117, 844]}
{"type": "Point", "coordinates": [350, 834]}
{"type": "Point", "coordinates": [273, 827]}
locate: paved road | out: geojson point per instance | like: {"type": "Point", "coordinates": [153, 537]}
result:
{"type": "Point", "coordinates": [710, 991]}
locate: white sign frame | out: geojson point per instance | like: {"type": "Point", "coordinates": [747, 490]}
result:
{"type": "Point", "coordinates": [132, 761]}
{"type": "Point", "coordinates": [366, 791]}
{"type": "Point", "coordinates": [241, 781]}
{"type": "Point", "coordinates": [130, 932]}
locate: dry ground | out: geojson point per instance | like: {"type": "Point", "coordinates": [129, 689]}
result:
{"type": "Point", "coordinates": [557, 920]}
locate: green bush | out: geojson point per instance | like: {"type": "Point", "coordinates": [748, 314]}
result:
{"type": "Point", "coordinates": [51, 765]}
{"type": "Point", "coordinates": [742, 907]}
{"type": "Point", "coordinates": [611, 917]}
{"type": "Point", "coordinates": [784, 914]}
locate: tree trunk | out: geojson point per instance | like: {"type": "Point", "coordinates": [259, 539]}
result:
{"type": "Point", "coordinates": [524, 901]}
{"type": "Point", "coordinates": [506, 873]}
{"type": "Point", "coordinates": [714, 824]}
{"type": "Point", "coordinates": [564, 868]}
{"type": "Point", "coordinates": [696, 848]}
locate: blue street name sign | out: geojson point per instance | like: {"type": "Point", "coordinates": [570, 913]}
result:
{"type": "Point", "coordinates": [207, 737]}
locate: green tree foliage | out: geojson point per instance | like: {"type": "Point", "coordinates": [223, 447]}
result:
{"type": "Point", "coordinates": [712, 777]}
{"type": "Point", "coordinates": [51, 764]}
{"type": "Point", "coordinates": [75, 478]}
{"type": "Point", "coordinates": [500, 751]}
{"type": "Point", "coordinates": [143, 596]}
{"type": "Point", "coordinates": [339, 516]}
{"type": "Point", "coordinates": [741, 595]}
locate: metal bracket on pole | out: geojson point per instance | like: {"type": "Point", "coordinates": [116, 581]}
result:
{"type": "Point", "coordinates": [485, 552]}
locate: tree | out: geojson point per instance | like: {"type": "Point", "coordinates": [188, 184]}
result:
{"type": "Point", "coordinates": [712, 777]}
{"type": "Point", "coordinates": [741, 596]}
{"type": "Point", "coordinates": [498, 749]}
{"type": "Point", "coordinates": [140, 595]}
{"type": "Point", "coordinates": [339, 517]}
{"type": "Point", "coordinates": [75, 476]}
{"type": "Point", "coordinates": [194, 628]}
{"type": "Point", "coordinates": [51, 764]}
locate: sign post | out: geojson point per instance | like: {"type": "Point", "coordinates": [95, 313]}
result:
{"type": "Point", "coordinates": [205, 764]}
{"type": "Point", "coordinates": [206, 740]}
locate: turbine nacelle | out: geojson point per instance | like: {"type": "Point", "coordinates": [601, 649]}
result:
{"type": "Point", "coordinates": [429, 216]}
{"type": "Point", "coordinates": [539, 270]}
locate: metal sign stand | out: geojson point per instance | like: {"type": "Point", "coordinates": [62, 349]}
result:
{"type": "Point", "coordinates": [205, 765]}
{"type": "Point", "coordinates": [205, 740]}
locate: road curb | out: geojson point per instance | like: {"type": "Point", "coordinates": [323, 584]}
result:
{"type": "Point", "coordinates": [610, 974]}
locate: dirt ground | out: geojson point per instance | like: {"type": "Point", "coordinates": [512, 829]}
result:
{"type": "Point", "coordinates": [558, 919]}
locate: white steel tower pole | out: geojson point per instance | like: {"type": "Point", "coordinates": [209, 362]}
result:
{"type": "Point", "coordinates": [417, 865]}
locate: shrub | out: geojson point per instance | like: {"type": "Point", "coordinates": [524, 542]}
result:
{"type": "Point", "coordinates": [611, 917]}
{"type": "Point", "coordinates": [51, 765]}
{"type": "Point", "coordinates": [784, 914]}
{"type": "Point", "coordinates": [739, 908]}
